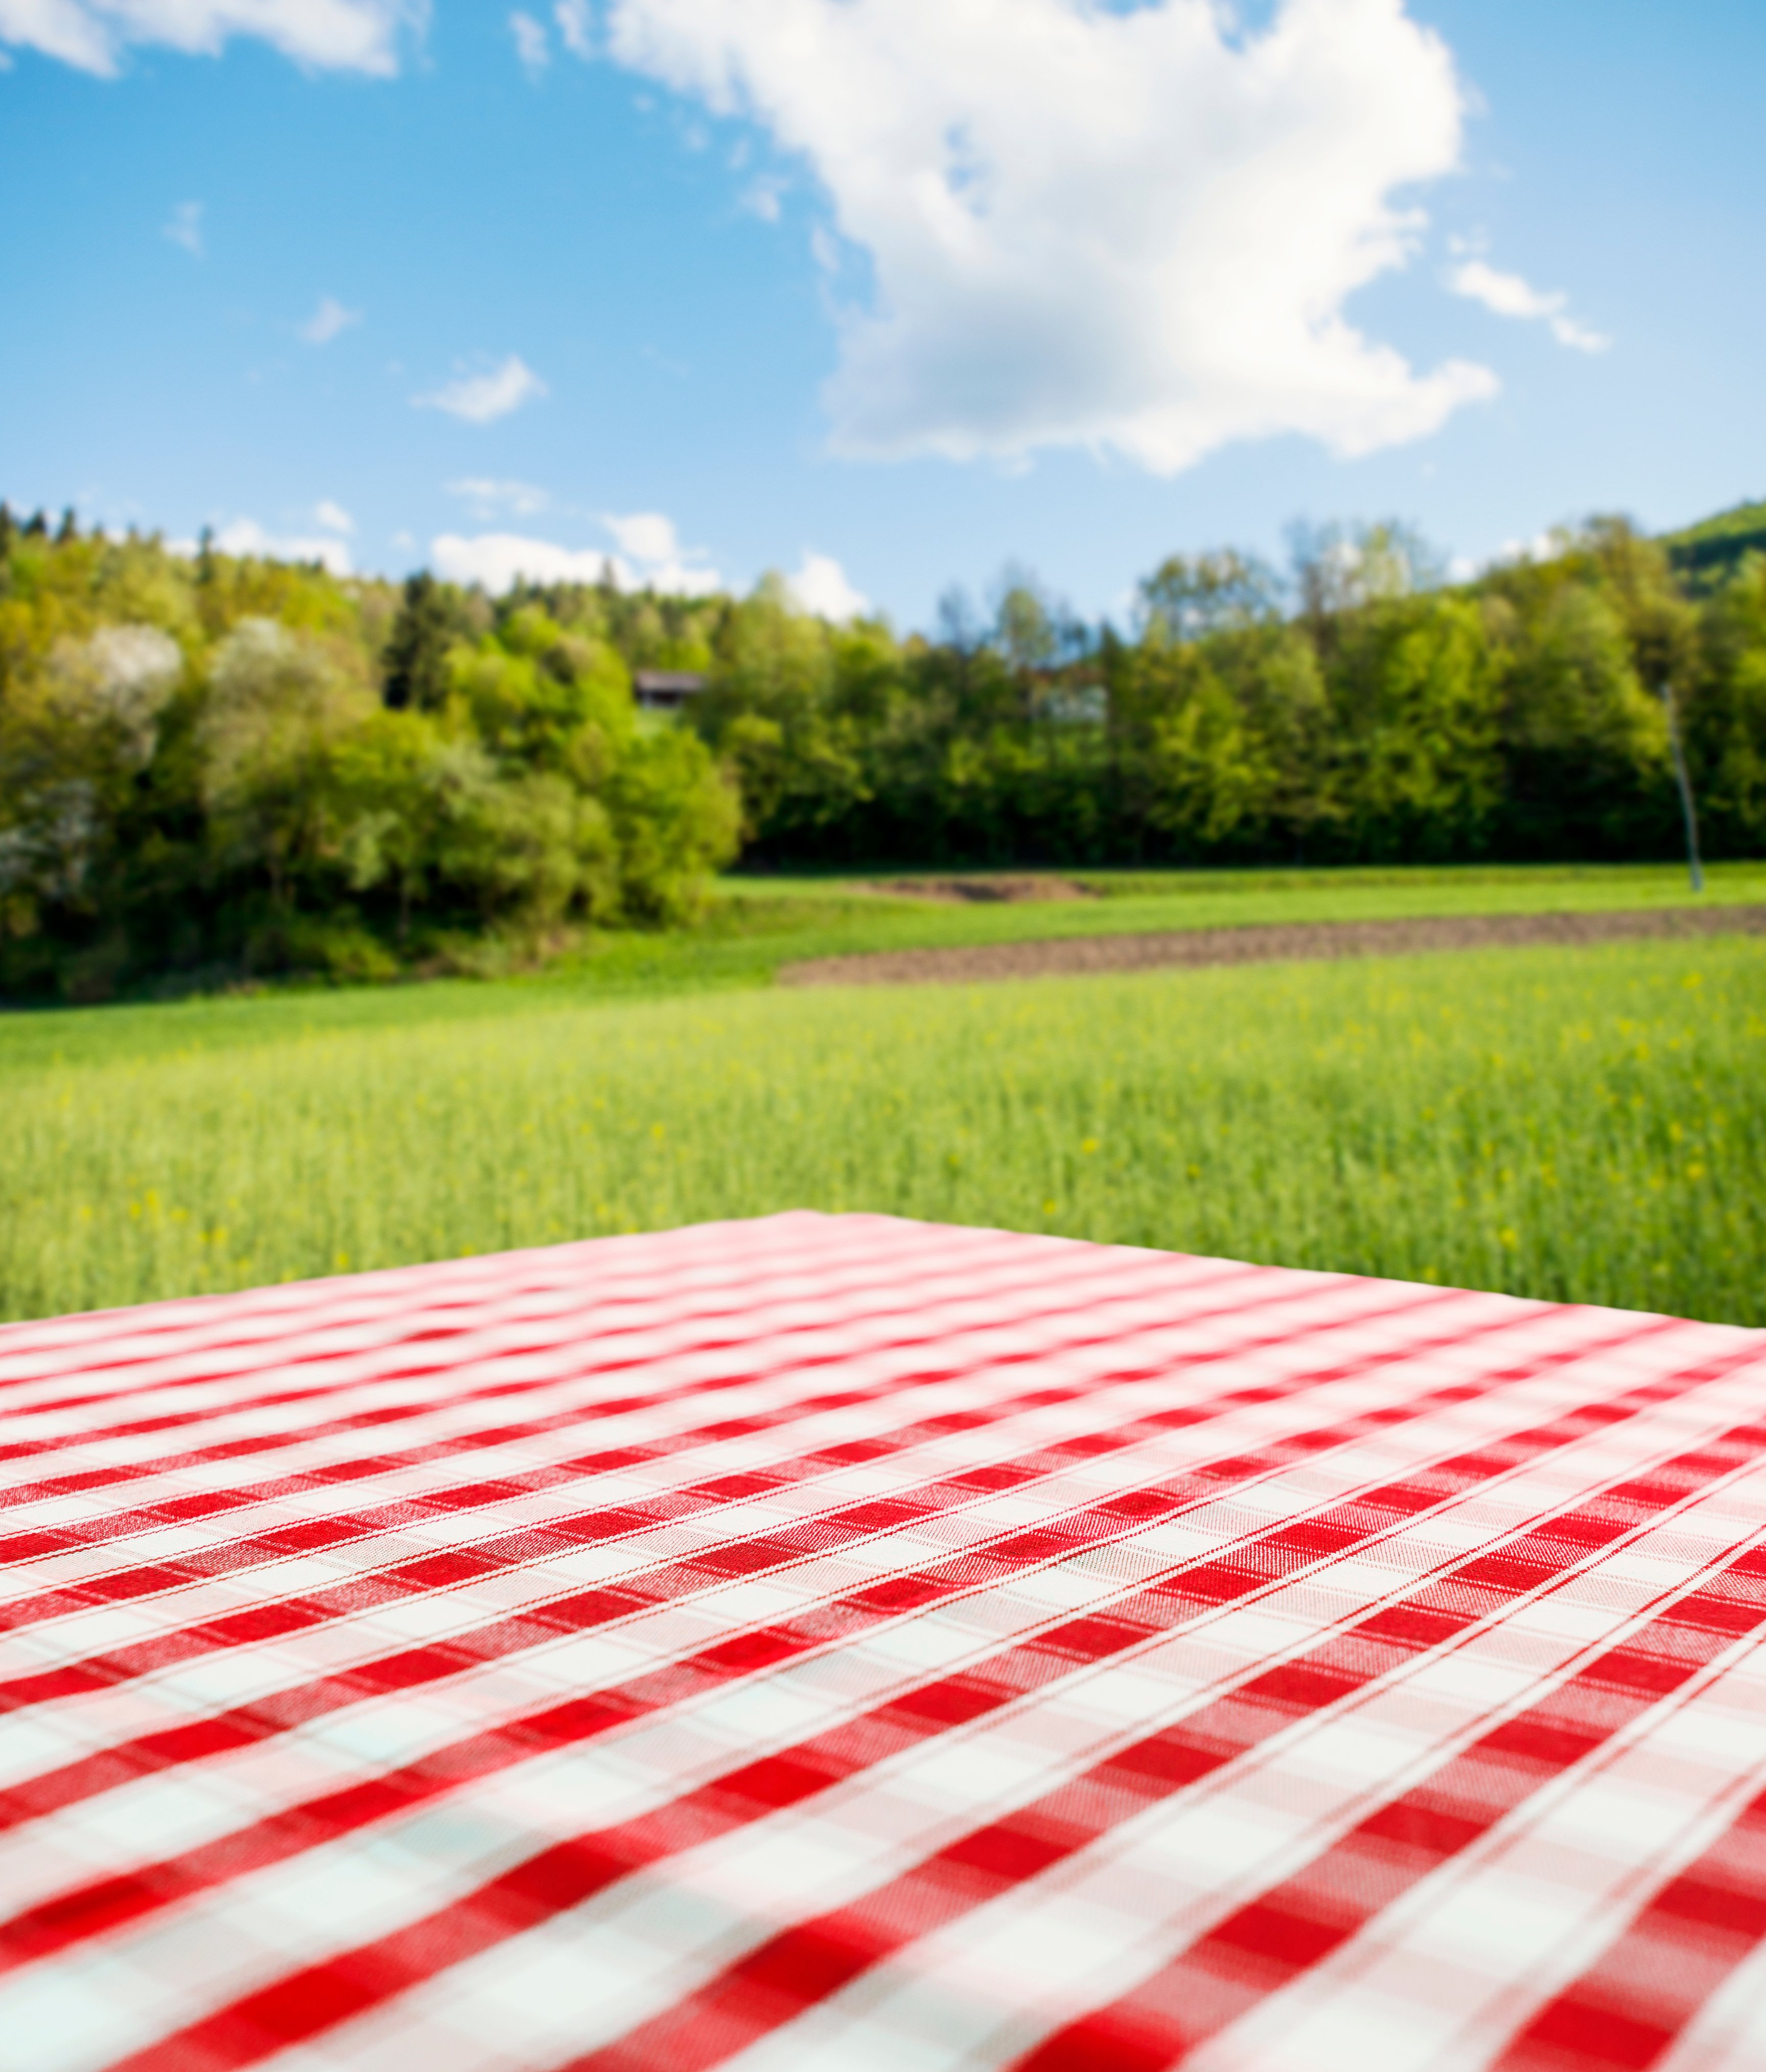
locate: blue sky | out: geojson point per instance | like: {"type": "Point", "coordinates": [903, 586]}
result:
{"type": "Point", "coordinates": [881, 293]}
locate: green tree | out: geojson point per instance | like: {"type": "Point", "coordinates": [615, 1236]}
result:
{"type": "Point", "coordinates": [74, 737]}
{"type": "Point", "coordinates": [1206, 779]}
{"type": "Point", "coordinates": [1726, 712]}
{"type": "Point", "coordinates": [786, 704]}
{"type": "Point", "coordinates": [415, 672]}
{"type": "Point", "coordinates": [1583, 741]}
{"type": "Point", "coordinates": [1414, 709]}
{"type": "Point", "coordinates": [278, 703]}
{"type": "Point", "coordinates": [675, 818]}
{"type": "Point", "coordinates": [1188, 596]}
{"type": "Point", "coordinates": [544, 697]}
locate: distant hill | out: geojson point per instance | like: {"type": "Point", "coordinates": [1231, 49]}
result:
{"type": "Point", "coordinates": [1704, 553]}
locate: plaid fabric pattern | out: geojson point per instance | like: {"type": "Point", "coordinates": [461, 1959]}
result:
{"type": "Point", "coordinates": [832, 1641]}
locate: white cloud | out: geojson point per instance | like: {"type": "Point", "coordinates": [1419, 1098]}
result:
{"type": "Point", "coordinates": [489, 498]}
{"type": "Point", "coordinates": [646, 536]}
{"type": "Point", "coordinates": [346, 35]}
{"type": "Point", "coordinates": [1126, 229]}
{"type": "Point", "coordinates": [650, 557]}
{"type": "Point", "coordinates": [575, 26]}
{"type": "Point", "coordinates": [649, 541]}
{"type": "Point", "coordinates": [185, 225]}
{"type": "Point", "coordinates": [761, 197]}
{"type": "Point", "coordinates": [532, 46]}
{"type": "Point", "coordinates": [1568, 331]}
{"type": "Point", "coordinates": [327, 321]}
{"type": "Point", "coordinates": [1510, 296]}
{"type": "Point", "coordinates": [496, 560]}
{"type": "Point", "coordinates": [333, 516]}
{"type": "Point", "coordinates": [820, 586]}
{"type": "Point", "coordinates": [482, 398]}
{"type": "Point", "coordinates": [246, 537]}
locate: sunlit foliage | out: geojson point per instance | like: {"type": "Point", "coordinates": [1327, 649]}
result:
{"type": "Point", "coordinates": [213, 767]}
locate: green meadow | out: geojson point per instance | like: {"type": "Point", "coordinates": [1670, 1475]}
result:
{"type": "Point", "coordinates": [1582, 1125]}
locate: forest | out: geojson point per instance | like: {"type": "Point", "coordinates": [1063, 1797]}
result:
{"type": "Point", "coordinates": [214, 768]}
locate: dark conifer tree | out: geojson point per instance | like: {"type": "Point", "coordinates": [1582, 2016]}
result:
{"type": "Point", "coordinates": [70, 527]}
{"type": "Point", "coordinates": [415, 663]}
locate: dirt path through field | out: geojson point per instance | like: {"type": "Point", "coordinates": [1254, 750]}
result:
{"type": "Point", "coordinates": [1077, 954]}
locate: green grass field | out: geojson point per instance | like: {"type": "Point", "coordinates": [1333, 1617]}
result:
{"type": "Point", "coordinates": [1586, 1125]}
{"type": "Point", "coordinates": [754, 925]}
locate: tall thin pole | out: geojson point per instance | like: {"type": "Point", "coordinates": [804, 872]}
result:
{"type": "Point", "coordinates": [1695, 869]}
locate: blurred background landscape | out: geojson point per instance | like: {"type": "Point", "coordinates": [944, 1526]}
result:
{"type": "Point", "coordinates": [529, 537]}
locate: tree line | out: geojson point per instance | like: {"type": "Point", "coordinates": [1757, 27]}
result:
{"type": "Point", "coordinates": [214, 766]}
{"type": "Point", "coordinates": [1354, 707]}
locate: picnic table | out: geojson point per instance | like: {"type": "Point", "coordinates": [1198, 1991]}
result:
{"type": "Point", "coordinates": [836, 1642]}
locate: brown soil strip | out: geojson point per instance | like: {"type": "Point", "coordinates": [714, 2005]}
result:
{"type": "Point", "coordinates": [1080, 954]}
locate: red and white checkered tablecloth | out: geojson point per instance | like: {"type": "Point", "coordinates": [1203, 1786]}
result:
{"type": "Point", "coordinates": [836, 1643]}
